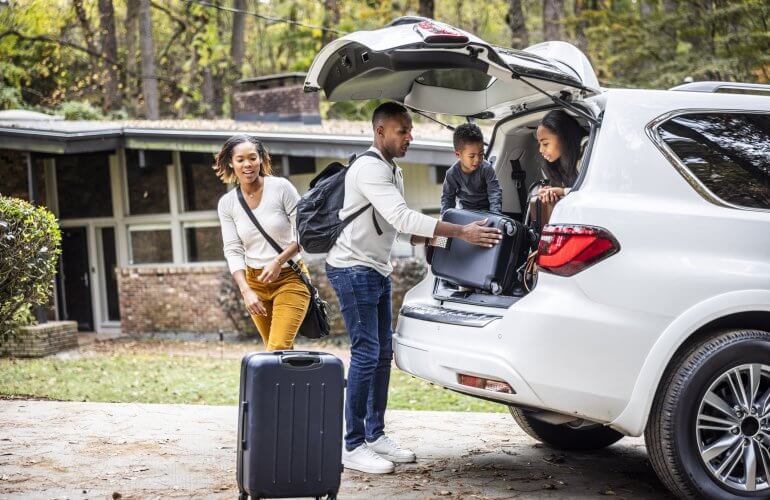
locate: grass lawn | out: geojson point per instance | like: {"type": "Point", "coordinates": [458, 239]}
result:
{"type": "Point", "coordinates": [145, 376]}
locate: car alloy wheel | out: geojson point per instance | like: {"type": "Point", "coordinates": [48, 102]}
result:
{"type": "Point", "coordinates": [733, 428]}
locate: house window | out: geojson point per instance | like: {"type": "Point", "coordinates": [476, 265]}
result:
{"type": "Point", "coordinates": [203, 243]}
{"type": "Point", "coordinates": [110, 264]}
{"type": "Point", "coordinates": [729, 153]}
{"type": "Point", "coordinates": [202, 188]}
{"type": "Point", "coordinates": [83, 186]}
{"type": "Point", "coordinates": [439, 173]}
{"type": "Point", "coordinates": [150, 245]}
{"type": "Point", "coordinates": [301, 165]}
{"type": "Point", "coordinates": [147, 182]}
{"type": "Point", "coordinates": [13, 181]}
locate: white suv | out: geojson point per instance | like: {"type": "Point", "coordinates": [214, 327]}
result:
{"type": "Point", "coordinates": [652, 309]}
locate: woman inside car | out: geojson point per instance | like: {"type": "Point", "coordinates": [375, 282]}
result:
{"type": "Point", "coordinates": [561, 140]}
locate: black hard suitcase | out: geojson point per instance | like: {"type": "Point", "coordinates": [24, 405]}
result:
{"type": "Point", "coordinates": [290, 425]}
{"type": "Point", "coordinates": [490, 269]}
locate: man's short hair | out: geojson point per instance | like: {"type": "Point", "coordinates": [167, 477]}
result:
{"type": "Point", "coordinates": [467, 133]}
{"type": "Point", "coordinates": [387, 110]}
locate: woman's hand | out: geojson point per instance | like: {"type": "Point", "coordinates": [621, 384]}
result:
{"type": "Point", "coordinates": [253, 305]}
{"type": "Point", "coordinates": [270, 272]}
{"type": "Point", "coordinates": [548, 194]}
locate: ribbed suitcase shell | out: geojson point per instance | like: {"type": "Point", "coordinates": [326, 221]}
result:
{"type": "Point", "coordinates": [490, 269]}
{"type": "Point", "coordinates": [290, 424]}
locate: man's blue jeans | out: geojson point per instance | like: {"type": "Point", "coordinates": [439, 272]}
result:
{"type": "Point", "coordinates": [364, 296]}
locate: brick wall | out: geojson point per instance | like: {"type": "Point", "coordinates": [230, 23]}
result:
{"type": "Point", "coordinates": [184, 301]}
{"type": "Point", "coordinates": [165, 299]}
{"type": "Point", "coordinates": [41, 340]}
{"type": "Point", "coordinates": [290, 103]}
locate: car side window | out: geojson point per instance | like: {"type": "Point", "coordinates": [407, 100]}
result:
{"type": "Point", "coordinates": [728, 152]}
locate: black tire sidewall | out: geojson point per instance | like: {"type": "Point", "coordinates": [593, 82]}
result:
{"type": "Point", "coordinates": [693, 389]}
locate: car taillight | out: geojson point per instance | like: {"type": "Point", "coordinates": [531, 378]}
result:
{"type": "Point", "coordinates": [433, 32]}
{"type": "Point", "coordinates": [567, 249]}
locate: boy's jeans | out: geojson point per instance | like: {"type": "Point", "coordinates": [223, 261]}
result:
{"type": "Point", "coordinates": [364, 296]}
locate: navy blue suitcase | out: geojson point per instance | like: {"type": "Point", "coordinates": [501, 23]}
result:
{"type": "Point", "coordinates": [290, 425]}
{"type": "Point", "coordinates": [489, 269]}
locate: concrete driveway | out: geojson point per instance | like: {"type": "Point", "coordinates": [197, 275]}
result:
{"type": "Point", "coordinates": [96, 450]}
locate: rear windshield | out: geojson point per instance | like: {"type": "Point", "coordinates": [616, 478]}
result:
{"type": "Point", "coordinates": [457, 79]}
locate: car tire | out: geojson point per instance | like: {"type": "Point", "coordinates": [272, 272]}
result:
{"type": "Point", "coordinates": [562, 436]}
{"type": "Point", "coordinates": [689, 423]}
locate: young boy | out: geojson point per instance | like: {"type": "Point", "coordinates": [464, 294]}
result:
{"type": "Point", "coordinates": [471, 179]}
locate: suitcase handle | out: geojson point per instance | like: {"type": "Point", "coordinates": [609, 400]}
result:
{"type": "Point", "coordinates": [300, 360]}
{"type": "Point", "coordinates": [244, 411]}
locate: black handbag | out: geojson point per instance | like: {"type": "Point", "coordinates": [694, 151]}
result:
{"type": "Point", "coordinates": [316, 322]}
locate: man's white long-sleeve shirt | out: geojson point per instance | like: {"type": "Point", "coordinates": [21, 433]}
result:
{"type": "Point", "coordinates": [374, 181]}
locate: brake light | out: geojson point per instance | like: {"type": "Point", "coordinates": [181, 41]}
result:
{"type": "Point", "coordinates": [433, 32]}
{"type": "Point", "coordinates": [568, 249]}
{"type": "Point", "coordinates": [484, 383]}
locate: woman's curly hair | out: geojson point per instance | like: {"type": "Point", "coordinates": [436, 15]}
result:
{"type": "Point", "coordinates": [222, 161]}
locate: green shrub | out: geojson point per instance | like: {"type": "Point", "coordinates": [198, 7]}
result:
{"type": "Point", "coordinates": [29, 248]}
{"type": "Point", "coordinates": [79, 110]}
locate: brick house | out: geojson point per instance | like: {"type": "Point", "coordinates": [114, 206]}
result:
{"type": "Point", "coordinates": [136, 201]}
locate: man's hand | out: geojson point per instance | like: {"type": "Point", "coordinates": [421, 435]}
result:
{"type": "Point", "coordinates": [478, 234]}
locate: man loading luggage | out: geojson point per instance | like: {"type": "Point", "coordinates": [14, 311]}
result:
{"type": "Point", "coordinates": [358, 267]}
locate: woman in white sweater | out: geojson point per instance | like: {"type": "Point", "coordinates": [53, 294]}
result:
{"type": "Point", "coordinates": [274, 295]}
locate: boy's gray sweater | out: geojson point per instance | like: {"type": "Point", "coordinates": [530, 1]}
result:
{"type": "Point", "coordinates": [479, 190]}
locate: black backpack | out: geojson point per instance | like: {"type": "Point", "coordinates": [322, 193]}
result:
{"type": "Point", "coordinates": [318, 221]}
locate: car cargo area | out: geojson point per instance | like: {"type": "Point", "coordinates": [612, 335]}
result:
{"type": "Point", "coordinates": [514, 152]}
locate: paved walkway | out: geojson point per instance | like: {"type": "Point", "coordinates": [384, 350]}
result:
{"type": "Point", "coordinates": [94, 450]}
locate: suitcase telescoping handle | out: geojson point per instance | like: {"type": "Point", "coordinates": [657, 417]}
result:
{"type": "Point", "coordinates": [300, 361]}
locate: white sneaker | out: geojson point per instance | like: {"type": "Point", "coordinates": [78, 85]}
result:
{"type": "Point", "coordinates": [386, 448]}
{"type": "Point", "coordinates": [365, 460]}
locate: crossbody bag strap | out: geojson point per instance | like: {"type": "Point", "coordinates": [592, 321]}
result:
{"type": "Point", "coordinates": [270, 240]}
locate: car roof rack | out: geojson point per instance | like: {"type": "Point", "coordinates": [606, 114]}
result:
{"type": "Point", "coordinates": [725, 88]}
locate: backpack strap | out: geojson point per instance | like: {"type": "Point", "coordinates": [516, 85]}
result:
{"type": "Point", "coordinates": [270, 240]}
{"type": "Point", "coordinates": [347, 220]}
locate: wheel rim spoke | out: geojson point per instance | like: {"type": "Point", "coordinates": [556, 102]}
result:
{"type": "Point", "coordinates": [750, 466]}
{"type": "Point", "coordinates": [719, 447]}
{"type": "Point", "coordinates": [755, 377]}
{"type": "Point", "coordinates": [719, 404]}
{"type": "Point", "coordinates": [764, 455]}
{"type": "Point", "coordinates": [737, 385]}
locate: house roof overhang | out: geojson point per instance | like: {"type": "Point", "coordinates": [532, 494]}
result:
{"type": "Point", "coordinates": [71, 137]}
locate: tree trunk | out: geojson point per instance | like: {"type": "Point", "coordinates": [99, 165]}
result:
{"type": "Point", "coordinates": [427, 9]}
{"type": "Point", "coordinates": [207, 93]}
{"type": "Point", "coordinates": [580, 26]}
{"type": "Point", "coordinates": [149, 78]}
{"type": "Point", "coordinates": [331, 19]}
{"type": "Point", "coordinates": [552, 14]}
{"type": "Point", "coordinates": [132, 18]}
{"type": "Point", "coordinates": [112, 99]}
{"type": "Point", "coordinates": [88, 33]}
{"type": "Point", "coordinates": [237, 39]}
{"type": "Point", "coordinates": [515, 19]}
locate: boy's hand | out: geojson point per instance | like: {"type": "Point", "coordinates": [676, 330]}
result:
{"type": "Point", "coordinates": [478, 234]}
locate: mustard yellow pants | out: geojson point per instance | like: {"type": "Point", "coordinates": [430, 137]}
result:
{"type": "Point", "coordinates": [286, 300]}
